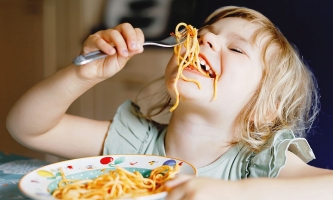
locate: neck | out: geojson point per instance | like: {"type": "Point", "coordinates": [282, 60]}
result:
{"type": "Point", "coordinates": [198, 138]}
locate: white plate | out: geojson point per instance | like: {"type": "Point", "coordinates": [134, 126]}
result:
{"type": "Point", "coordinates": [39, 183]}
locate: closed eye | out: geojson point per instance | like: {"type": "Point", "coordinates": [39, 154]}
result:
{"type": "Point", "coordinates": [237, 50]}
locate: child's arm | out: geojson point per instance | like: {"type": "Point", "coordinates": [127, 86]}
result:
{"type": "Point", "coordinates": [38, 118]}
{"type": "Point", "coordinates": [297, 180]}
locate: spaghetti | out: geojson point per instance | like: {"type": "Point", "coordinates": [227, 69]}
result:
{"type": "Point", "coordinates": [189, 59]}
{"type": "Point", "coordinates": [119, 183]}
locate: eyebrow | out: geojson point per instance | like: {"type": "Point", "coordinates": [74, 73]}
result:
{"type": "Point", "coordinates": [232, 34]}
{"type": "Point", "coordinates": [239, 37]}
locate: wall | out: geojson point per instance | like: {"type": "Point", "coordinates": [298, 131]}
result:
{"type": "Point", "coordinates": [40, 37]}
{"type": "Point", "coordinates": [21, 25]}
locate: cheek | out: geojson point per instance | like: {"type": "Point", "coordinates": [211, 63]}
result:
{"type": "Point", "coordinates": [240, 79]}
{"type": "Point", "coordinates": [252, 77]}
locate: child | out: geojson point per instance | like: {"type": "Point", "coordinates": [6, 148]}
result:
{"type": "Point", "coordinates": [265, 96]}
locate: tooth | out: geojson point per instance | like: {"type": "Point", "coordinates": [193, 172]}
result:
{"type": "Point", "coordinates": [207, 67]}
{"type": "Point", "coordinates": [202, 62]}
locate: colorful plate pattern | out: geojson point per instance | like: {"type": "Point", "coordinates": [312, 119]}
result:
{"type": "Point", "coordinates": [40, 183]}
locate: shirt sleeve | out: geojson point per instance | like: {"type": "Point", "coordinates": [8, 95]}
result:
{"type": "Point", "coordinates": [127, 132]}
{"type": "Point", "coordinates": [269, 161]}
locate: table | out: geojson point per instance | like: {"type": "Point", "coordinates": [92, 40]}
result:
{"type": "Point", "coordinates": [12, 169]}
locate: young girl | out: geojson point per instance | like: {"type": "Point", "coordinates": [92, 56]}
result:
{"type": "Point", "coordinates": [265, 97]}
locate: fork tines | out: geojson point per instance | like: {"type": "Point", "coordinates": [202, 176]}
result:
{"type": "Point", "coordinates": [183, 32]}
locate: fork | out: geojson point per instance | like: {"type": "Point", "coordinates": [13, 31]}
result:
{"type": "Point", "coordinates": [170, 41]}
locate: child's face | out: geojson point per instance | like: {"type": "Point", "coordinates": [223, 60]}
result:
{"type": "Point", "coordinates": [225, 46]}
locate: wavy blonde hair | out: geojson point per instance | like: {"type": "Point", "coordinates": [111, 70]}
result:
{"type": "Point", "coordinates": [287, 96]}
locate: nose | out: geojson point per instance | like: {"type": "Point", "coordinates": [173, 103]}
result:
{"type": "Point", "coordinates": [209, 39]}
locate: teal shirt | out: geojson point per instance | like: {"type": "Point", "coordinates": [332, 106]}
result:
{"type": "Point", "coordinates": [132, 134]}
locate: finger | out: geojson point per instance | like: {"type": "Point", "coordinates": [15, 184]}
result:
{"type": "Point", "coordinates": [178, 181]}
{"type": "Point", "coordinates": [95, 42]}
{"type": "Point", "coordinates": [130, 35]}
{"type": "Point", "coordinates": [115, 39]}
{"type": "Point", "coordinates": [139, 42]}
{"type": "Point", "coordinates": [176, 187]}
{"type": "Point", "coordinates": [140, 38]}
{"type": "Point", "coordinates": [176, 194]}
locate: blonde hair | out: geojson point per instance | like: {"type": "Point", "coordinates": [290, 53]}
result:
{"type": "Point", "coordinates": [287, 96]}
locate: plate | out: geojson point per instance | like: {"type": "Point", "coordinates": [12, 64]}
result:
{"type": "Point", "coordinates": [40, 183]}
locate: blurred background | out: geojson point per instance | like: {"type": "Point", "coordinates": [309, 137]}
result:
{"type": "Point", "coordinates": [39, 37]}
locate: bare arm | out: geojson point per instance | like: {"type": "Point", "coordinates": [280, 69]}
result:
{"type": "Point", "coordinates": [38, 119]}
{"type": "Point", "coordinates": [297, 180]}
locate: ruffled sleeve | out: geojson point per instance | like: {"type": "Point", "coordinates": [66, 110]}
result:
{"type": "Point", "coordinates": [269, 161]}
{"type": "Point", "coordinates": [128, 132]}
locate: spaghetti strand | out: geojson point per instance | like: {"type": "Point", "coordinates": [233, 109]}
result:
{"type": "Point", "coordinates": [189, 58]}
{"type": "Point", "coordinates": [119, 183]}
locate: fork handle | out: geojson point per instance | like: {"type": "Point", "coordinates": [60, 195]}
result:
{"type": "Point", "coordinates": [84, 59]}
{"type": "Point", "coordinates": [95, 55]}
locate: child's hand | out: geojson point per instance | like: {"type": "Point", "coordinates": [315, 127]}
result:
{"type": "Point", "coordinates": [188, 187]}
{"type": "Point", "coordinates": [120, 43]}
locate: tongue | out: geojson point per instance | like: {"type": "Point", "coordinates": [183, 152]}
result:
{"type": "Point", "coordinates": [212, 75]}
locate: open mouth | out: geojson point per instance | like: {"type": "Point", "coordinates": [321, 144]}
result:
{"type": "Point", "coordinates": [206, 68]}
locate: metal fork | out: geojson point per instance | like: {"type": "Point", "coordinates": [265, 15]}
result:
{"type": "Point", "coordinates": [170, 41]}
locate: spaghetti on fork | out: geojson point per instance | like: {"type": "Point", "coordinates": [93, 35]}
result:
{"type": "Point", "coordinates": [189, 58]}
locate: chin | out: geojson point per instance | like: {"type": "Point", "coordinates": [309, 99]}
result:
{"type": "Point", "coordinates": [190, 91]}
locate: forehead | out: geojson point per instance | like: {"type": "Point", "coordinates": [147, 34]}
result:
{"type": "Point", "coordinates": [234, 25]}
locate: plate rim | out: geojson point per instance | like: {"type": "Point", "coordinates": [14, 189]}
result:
{"type": "Point", "coordinates": [22, 179]}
